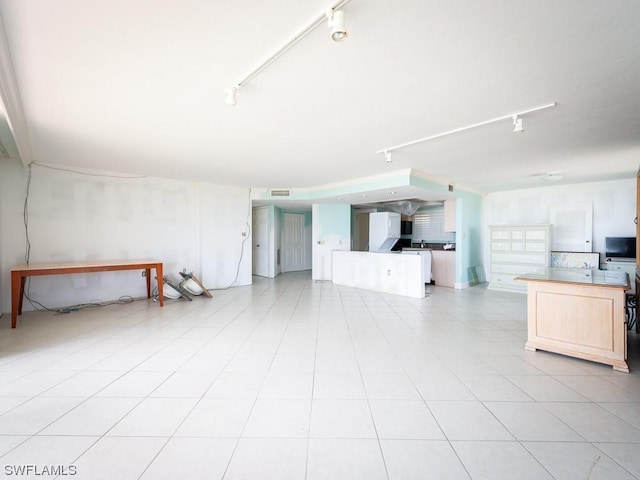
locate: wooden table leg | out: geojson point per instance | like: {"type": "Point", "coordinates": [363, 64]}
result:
{"type": "Point", "coordinates": [17, 291]}
{"type": "Point", "coordinates": [148, 275]}
{"type": "Point", "coordinates": [22, 282]}
{"type": "Point", "coordinates": [160, 283]}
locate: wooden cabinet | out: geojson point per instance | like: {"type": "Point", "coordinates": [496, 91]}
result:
{"type": "Point", "coordinates": [577, 317]}
{"type": "Point", "coordinates": [443, 268]}
{"type": "Point", "coordinates": [449, 216]}
{"type": "Point", "coordinates": [516, 250]}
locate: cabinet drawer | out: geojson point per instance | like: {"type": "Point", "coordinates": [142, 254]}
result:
{"type": "Point", "coordinates": [630, 268]}
{"type": "Point", "coordinates": [517, 235]}
{"type": "Point", "coordinates": [500, 246]}
{"type": "Point", "coordinates": [506, 280]}
{"type": "Point", "coordinates": [500, 235]}
{"type": "Point", "coordinates": [536, 235]}
{"type": "Point", "coordinates": [535, 246]}
{"type": "Point", "coordinates": [524, 258]}
{"type": "Point", "coordinates": [516, 269]}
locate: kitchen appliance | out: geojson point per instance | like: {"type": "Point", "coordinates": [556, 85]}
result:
{"type": "Point", "coordinates": [384, 231]}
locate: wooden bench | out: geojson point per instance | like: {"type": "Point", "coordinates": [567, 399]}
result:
{"type": "Point", "coordinates": [19, 274]}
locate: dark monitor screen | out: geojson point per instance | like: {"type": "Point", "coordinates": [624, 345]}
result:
{"type": "Point", "coordinates": [620, 247]}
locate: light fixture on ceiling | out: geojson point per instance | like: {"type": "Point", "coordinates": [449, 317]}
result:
{"type": "Point", "coordinates": [517, 124]}
{"type": "Point", "coordinates": [335, 19]}
{"type": "Point", "coordinates": [512, 116]}
{"type": "Point", "coordinates": [387, 157]}
{"type": "Point", "coordinates": [550, 177]}
{"type": "Point", "coordinates": [336, 24]}
{"type": "Point", "coordinates": [230, 95]}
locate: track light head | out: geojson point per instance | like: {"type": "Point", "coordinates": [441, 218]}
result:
{"type": "Point", "coordinates": [230, 95]}
{"type": "Point", "coordinates": [387, 157]}
{"type": "Point", "coordinates": [517, 124]}
{"type": "Point", "coordinates": [336, 23]}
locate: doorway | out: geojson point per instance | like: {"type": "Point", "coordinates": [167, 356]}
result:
{"type": "Point", "coordinates": [294, 247]}
{"type": "Point", "coordinates": [260, 224]}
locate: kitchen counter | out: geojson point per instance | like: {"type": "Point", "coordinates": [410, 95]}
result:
{"type": "Point", "coordinates": [443, 268]}
{"type": "Point", "coordinates": [387, 272]}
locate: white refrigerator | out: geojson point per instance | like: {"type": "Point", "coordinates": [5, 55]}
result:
{"type": "Point", "coordinates": [384, 231]}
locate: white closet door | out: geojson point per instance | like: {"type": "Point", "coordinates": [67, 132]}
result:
{"type": "Point", "coordinates": [572, 227]}
{"type": "Point", "coordinates": [294, 245]}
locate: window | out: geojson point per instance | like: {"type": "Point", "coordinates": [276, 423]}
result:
{"type": "Point", "coordinates": [428, 225]}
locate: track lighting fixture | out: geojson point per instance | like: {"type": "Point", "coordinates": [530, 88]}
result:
{"type": "Point", "coordinates": [336, 24]}
{"type": "Point", "coordinates": [517, 127]}
{"type": "Point", "coordinates": [517, 124]}
{"type": "Point", "coordinates": [387, 157]}
{"type": "Point", "coordinates": [230, 95]}
{"type": "Point", "coordinates": [335, 18]}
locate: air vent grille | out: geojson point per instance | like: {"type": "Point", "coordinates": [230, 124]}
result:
{"type": "Point", "coordinates": [280, 193]}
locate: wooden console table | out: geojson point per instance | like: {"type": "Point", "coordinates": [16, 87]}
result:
{"type": "Point", "coordinates": [19, 274]}
{"type": "Point", "coordinates": [580, 313]}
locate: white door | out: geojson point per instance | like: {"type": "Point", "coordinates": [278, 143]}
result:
{"type": "Point", "coordinates": [572, 227]}
{"type": "Point", "coordinates": [293, 243]}
{"type": "Point", "coordinates": [261, 241]}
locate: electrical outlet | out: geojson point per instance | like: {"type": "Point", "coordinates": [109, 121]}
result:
{"type": "Point", "coordinates": [388, 273]}
{"type": "Point", "coordinates": [244, 234]}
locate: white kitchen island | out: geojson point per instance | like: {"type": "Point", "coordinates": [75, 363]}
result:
{"type": "Point", "coordinates": [379, 271]}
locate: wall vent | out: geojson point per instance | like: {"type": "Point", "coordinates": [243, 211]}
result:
{"type": "Point", "coordinates": [280, 193]}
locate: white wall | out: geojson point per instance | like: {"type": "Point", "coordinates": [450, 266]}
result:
{"type": "Point", "coordinates": [225, 233]}
{"type": "Point", "coordinates": [74, 216]}
{"type": "Point", "coordinates": [614, 208]}
{"type": "Point", "coordinates": [13, 180]}
{"type": "Point", "coordinates": [331, 230]}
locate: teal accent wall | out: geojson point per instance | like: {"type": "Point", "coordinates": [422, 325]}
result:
{"type": "Point", "coordinates": [331, 231]}
{"type": "Point", "coordinates": [333, 220]}
{"type": "Point", "coordinates": [468, 234]}
{"type": "Point", "coordinates": [468, 226]}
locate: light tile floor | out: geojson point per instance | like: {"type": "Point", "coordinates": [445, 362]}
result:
{"type": "Point", "coordinates": [296, 379]}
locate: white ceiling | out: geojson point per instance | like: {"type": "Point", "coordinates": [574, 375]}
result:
{"type": "Point", "coordinates": [138, 86]}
